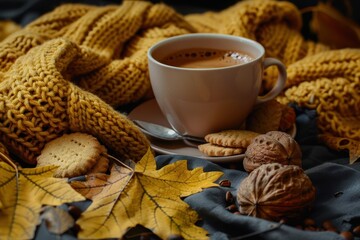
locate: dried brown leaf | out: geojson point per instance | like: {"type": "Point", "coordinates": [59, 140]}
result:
{"type": "Point", "coordinates": [265, 117]}
{"type": "Point", "coordinates": [333, 28]}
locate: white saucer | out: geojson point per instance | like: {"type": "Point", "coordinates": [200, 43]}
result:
{"type": "Point", "coordinates": [149, 111]}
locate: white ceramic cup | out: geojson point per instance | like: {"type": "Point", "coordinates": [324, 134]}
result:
{"type": "Point", "coordinates": [199, 101]}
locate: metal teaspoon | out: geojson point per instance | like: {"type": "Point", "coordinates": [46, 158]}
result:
{"type": "Point", "coordinates": [163, 133]}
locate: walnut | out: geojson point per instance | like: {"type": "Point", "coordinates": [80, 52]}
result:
{"type": "Point", "coordinates": [274, 146]}
{"type": "Point", "coordinates": [275, 191]}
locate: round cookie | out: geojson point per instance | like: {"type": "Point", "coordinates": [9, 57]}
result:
{"type": "Point", "coordinates": [231, 138]}
{"type": "Point", "coordinates": [74, 153]}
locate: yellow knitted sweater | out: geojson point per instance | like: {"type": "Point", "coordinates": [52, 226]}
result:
{"type": "Point", "coordinates": [70, 68]}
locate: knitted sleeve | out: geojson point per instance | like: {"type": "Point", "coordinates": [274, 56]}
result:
{"type": "Point", "coordinates": [119, 37]}
{"type": "Point", "coordinates": [330, 83]}
{"type": "Point", "coordinates": [115, 37]}
{"type": "Point", "coordinates": [38, 103]}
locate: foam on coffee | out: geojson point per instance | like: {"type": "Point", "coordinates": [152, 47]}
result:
{"type": "Point", "coordinates": [206, 58]}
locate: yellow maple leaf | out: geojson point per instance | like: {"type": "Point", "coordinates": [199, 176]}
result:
{"type": "Point", "coordinates": [22, 193]}
{"type": "Point", "coordinates": [151, 198]}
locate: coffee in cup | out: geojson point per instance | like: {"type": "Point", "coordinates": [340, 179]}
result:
{"type": "Point", "coordinates": [205, 94]}
{"type": "Point", "coordinates": [206, 58]}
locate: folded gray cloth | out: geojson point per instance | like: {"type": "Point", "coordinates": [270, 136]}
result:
{"type": "Point", "coordinates": [338, 200]}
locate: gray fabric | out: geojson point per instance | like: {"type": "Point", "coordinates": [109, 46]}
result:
{"type": "Point", "coordinates": [328, 178]}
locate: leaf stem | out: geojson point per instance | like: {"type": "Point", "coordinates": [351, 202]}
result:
{"type": "Point", "coordinates": [11, 163]}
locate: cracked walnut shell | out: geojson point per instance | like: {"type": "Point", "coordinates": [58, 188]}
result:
{"type": "Point", "coordinates": [272, 147]}
{"type": "Point", "coordinates": [274, 191]}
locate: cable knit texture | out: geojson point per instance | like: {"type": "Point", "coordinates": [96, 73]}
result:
{"type": "Point", "coordinates": [69, 69]}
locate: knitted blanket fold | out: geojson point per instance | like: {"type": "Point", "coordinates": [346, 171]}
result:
{"type": "Point", "coordinates": [330, 83]}
{"type": "Point", "coordinates": [38, 103]}
{"type": "Point", "coordinates": [71, 67]}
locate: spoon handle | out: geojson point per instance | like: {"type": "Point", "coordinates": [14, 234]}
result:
{"type": "Point", "coordinates": [164, 133]}
{"type": "Point", "coordinates": [156, 134]}
{"type": "Point", "coordinates": [194, 139]}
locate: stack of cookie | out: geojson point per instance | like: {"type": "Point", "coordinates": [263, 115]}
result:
{"type": "Point", "coordinates": [266, 117]}
{"type": "Point", "coordinates": [76, 154]}
{"type": "Point", "coordinates": [227, 143]}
